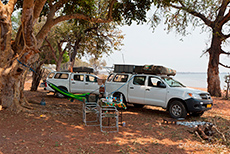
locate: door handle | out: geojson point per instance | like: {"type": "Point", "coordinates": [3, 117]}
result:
{"type": "Point", "coordinates": [86, 83]}
{"type": "Point", "coordinates": [147, 89]}
{"type": "Point", "coordinates": [131, 87]}
{"type": "Point", "coordinates": [73, 82]}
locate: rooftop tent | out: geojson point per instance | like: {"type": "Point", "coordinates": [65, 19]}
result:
{"type": "Point", "coordinates": [146, 69]}
{"type": "Point", "coordinates": [81, 70]}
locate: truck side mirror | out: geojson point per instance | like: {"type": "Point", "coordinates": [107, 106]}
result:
{"type": "Point", "coordinates": [161, 85]}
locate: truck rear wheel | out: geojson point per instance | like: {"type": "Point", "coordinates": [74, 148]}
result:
{"type": "Point", "coordinates": [177, 110]}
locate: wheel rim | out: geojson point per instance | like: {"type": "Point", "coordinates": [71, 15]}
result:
{"type": "Point", "coordinates": [176, 110]}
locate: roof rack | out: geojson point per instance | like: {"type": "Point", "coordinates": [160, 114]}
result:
{"type": "Point", "coordinates": [81, 70]}
{"type": "Point", "coordinates": [144, 69]}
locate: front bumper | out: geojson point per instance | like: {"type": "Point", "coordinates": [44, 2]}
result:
{"type": "Point", "coordinates": [194, 105]}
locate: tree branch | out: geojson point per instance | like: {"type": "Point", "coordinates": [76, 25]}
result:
{"type": "Point", "coordinates": [51, 22]}
{"type": "Point", "coordinates": [82, 17]}
{"type": "Point", "coordinates": [39, 4]}
{"type": "Point", "coordinates": [223, 8]}
{"type": "Point", "coordinates": [61, 52]}
{"type": "Point", "coordinates": [223, 52]}
{"type": "Point", "coordinates": [10, 5]}
{"type": "Point", "coordinates": [27, 22]}
{"type": "Point", "coordinates": [225, 36]}
{"type": "Point", "coordinates": [194, 13]}
{"type": "Point", "coordinates": [59, 4]}
{"type": "Point", "coordinates": [226, 66]}
{"type": "Point", "coordinates": [109, 17]}
{"type": "Point", "coordinates": [221, 19]}
{"type": "Point", "coordinates": [52, 50]}
{"type": "Point", "coordinates": [225, 19]}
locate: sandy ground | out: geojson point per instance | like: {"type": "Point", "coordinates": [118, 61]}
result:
{"type": "Point", "coordinates": [57, 127]}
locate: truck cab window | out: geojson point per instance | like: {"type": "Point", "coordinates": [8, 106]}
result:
{"type": "Point", "coordinates": [110, 77]}
{"type": "Point", "coordinates": [61, 76]}
{"type": "Point", "coordinates": [78, 77]}
{"type": "Point", "coordinates": [51, 75]}
{"type": "Point", "coordinates": [139, 80]}
{"type": "Point", "coordinates": [120, 78]}
{"type": "Point", "coordinates": [90, 78]}
{"type": "Point", "coordinates": [154, 82]}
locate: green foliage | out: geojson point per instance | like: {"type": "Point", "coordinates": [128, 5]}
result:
{"type": "Point", "coordinates": [86, 7]}
{"type": "Point", "coordinates": [179, 15]}
{"type": "Point", "coordinates": [104, 39]}
{"type": "Point", "coordinates": [131, 10]}
{"type": "Point", "coordinates": [65, 57]}
{"type": "Point", "coordinates": [16, 22]}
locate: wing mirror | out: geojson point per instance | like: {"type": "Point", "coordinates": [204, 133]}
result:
{"type": "Point", "coordinates": [161, 85]}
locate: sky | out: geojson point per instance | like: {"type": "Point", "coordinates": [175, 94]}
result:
{"type": "Point", "coordinates": [142, 46]}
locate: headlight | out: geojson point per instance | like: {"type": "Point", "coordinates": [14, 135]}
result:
{"type": "Point", "coordinates": [196, 96]}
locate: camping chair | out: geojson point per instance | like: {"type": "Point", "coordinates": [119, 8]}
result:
{"type": "Point", "coordinates": [109, 118]}
{"type": "Point", "coordinates": [91, 111]}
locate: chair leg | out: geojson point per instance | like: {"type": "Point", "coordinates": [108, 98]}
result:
{"type": "Point", "coordinates": [113, 118]}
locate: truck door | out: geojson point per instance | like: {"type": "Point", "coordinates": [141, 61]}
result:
{"type": "Point", "coordinates": [91, 84]}
{"type": "Point", "coordinates": [77, 83]}
{"type": "Point", "coordinates": [136, 90]}
{"type": "Point", "coordinates": [155, 92]}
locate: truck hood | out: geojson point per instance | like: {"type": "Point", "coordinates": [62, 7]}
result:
{"type": "Point", "coordinates": [191, 90]}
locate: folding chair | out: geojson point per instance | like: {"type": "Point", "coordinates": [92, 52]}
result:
{"type": "Point", "coordinates": [91, 111]}
{"type": "Point", "coordinates": [109, 118]}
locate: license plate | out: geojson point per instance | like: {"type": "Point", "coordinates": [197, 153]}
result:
{"type": "Point", "coordinates": [209, 105]}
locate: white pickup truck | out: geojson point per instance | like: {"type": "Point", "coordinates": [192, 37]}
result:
{"type": "Point", "coordinates": [158, 90]}
{"type": "Point", "coordinates": [73, 82]}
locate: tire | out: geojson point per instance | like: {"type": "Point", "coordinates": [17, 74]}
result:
{"type": "Point", "coordinates": [118, 96]}
{"type": "Point", "coordinates": [177, 110]}
{"type": "Point", "coordinates": [138, 105]}
{"type": "Point", "coordinates": [197, 114]}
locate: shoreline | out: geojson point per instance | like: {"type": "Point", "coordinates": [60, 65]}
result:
{"type": "Point", "coordinates": [203, 89]}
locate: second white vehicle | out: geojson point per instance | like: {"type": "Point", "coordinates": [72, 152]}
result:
{"type": "Point", "coordinates": [73, 82]}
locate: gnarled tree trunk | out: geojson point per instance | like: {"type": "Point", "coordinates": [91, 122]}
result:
{"type": "Point", "coordinates": [213, 66]}
{"type": "Point", "coordinates": [12, 72]}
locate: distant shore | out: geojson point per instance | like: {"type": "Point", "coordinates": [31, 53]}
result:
{"type": "Point", "coordinates": [203, 89]}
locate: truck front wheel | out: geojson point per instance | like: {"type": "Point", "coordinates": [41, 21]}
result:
{"type": "Point", "coordinates": [177, 110]}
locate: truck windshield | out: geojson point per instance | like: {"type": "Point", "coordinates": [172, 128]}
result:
{"type": "Point", "coordinates": [172, 83]}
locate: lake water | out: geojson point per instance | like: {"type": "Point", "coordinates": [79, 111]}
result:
{"type": "Point", "coordinates": [197, 79]}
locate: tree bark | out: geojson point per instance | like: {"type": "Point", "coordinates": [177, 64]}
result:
{"type": "Point", "coordinates": [37, 76]}
{"type": "Point", "coordinates": [213, 66]}
{"type": "Point", "coordinates": [12, 71]}
{"type": "Point", "coordinates": [73, 55]}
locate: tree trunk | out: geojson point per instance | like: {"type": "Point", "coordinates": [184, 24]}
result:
{"type": "Point", "coordinates": [13, 60]}
{"type": "Point", "coordinates": [37, 76]}
{"type": "Point", "coordinates": [213, 67]}
{"type": "Point", "coordinates": [12, 95]}
{"type": "Point", "coordinates": [73, 55]}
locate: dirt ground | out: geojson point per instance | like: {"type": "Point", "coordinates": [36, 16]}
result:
{"type": "Point", "coordinates": [57, 127]}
